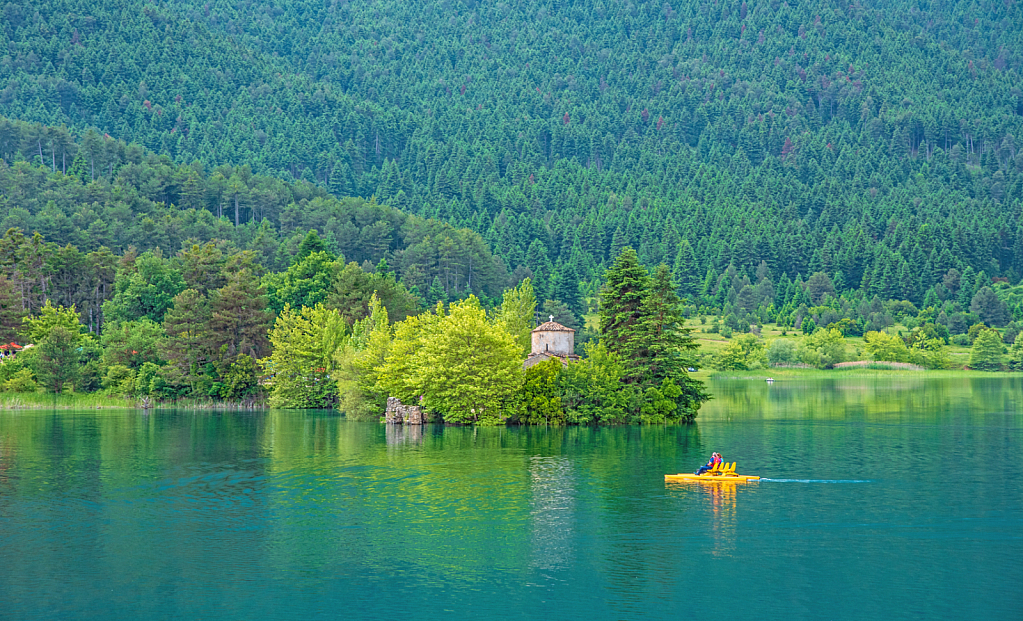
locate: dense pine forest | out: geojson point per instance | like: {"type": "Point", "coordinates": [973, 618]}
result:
{"type": "Point", "coordinates": [811, 164]}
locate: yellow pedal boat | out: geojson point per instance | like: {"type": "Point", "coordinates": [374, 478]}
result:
{"type": "Point", "coordinates": [721, 473]}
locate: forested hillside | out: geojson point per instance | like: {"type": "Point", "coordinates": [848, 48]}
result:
{"type": "Point", "coordinates": [866, 138]}
{"type": "Point", "coordinates": [740, 142]}
{"type": "Point", "coordinates": [117, 196]}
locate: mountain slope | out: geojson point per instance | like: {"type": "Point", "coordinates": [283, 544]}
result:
{"type": "Point", "coordinates": [871, 139]}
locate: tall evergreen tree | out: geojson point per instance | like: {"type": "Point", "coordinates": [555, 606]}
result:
{"type": "Point", "coordinates": [239, 319]}
{"type": "Point", "coordinates": [621, 301]}
{"type": "Point", "coordinates": [668, 349]}
{"type": "Point", "coordinates": [187, 346]}
{"type": "Point", "coordinates": [686, 271]}
{"type": "Point", "coordinates": [986, 354]}
{"type": "Point", "coordinates": [566, 287]}
{"type": "Point", "coordinates": [11, 312]}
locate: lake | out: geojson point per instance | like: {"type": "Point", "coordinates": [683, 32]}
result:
{"type": "Point", "coordinates": [895, 497]}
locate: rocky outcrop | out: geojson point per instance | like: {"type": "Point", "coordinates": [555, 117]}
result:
{"type": "Point", "coordinates": [400, 414]}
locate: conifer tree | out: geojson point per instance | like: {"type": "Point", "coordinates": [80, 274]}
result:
{"type": "Point", "coordinates": [986, 354]}
{"type": "Point", "coordinates": [669, 349]}
{"type": "Point", "coordinates": [310, 244]}
{"type": "Point", "coordinates": [686, 271]}
{"type": "Point", "coordinates": [1016, 354]}
{"type": "Point", "coordinates": [11, 311]}
{"type": "Point", "coordinates": [619, 243]}
{"type": "Point", "coordinates": [562, 314]}
{"type": "Point", "coordinates": [992, 311]}
{"type": "Point", "coordinates": [186, 347]}
{"type": "Point", "coordinates": [566, 287]}
{"type": "Point", "coordinates": [621, 301]}
{"type": "Point", "coordinates": [239, 319]}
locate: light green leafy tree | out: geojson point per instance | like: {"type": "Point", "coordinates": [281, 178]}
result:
{"type": "Point", "coordinates": [541, 394]}
{"type": "Point", "coordinates": [742, 353]}
{"type": "Point", "coordinates": [241, 381]}
{"type": "Point", "coordinates": [22, 381]}
{"type": "Point", "coordinates": [931, 353]}
{"type": "Point", "coordinates": [781, 351]}
{"type": "Point", "coordinates": [305, 344]}
{"type": "Point", "coordinates": [37, 327]}
{"type": "Point", "coordinates": [470, 368]}
{"type": "Point", "coordinates": [465, 367]}
{"type": "Point", "coordinates": [397, 377]}
{"type": "Point", "coordinates": [886, 347]}
{"type": "Point", "coordinates": [823, 349]}
{"type": "Point", "coordinates": [518, 308]}
{"type": "Point", "coordinates": [358, 364]}
{"type": "Point", "coordinates": [306, 283]}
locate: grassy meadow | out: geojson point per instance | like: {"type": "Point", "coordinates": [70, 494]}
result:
{"type": "Point", "coordinates": [711, 343]}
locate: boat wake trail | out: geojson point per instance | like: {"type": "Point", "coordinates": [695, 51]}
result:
{"type": "Point", "coordinates": [816, 480]}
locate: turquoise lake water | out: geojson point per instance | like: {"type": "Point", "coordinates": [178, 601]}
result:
{"type": "Point", "coordinates": [883, 499]}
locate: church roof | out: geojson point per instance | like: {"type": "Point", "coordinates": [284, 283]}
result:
{"type": "Point", "coordinates": [552, 326]}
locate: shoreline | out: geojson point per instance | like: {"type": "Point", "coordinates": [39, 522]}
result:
{"type": "Point", "coordinates": [777, 373]}
{"type": "Point", "coordinates": [44, 401]}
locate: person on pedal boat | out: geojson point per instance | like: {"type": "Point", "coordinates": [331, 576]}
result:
{"type": "Point", "coordinates": [715, 459]}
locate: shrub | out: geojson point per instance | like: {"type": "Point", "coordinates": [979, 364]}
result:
{"type": "Point", "coordinates": [240, 381]}
{"type": "Point", "coordinates": [119, 380]}
{"type": "Point", "coordinates": [930, 353]}
{"type": "Point", "coordinates": [21, 381]}
{"type": "Point", "coordinates": [745, 352]}
{"type": "Point", "coordinates": [782, 351]}
{"type": "Point", "coordinates": [823, 349]}
{"type": "Point", "coordinates": [885, 347]}
{"type": "Point", "coordinates": [11, 366]}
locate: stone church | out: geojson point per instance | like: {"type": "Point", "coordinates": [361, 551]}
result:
{"type": "Point", "coordinates": [552, 340]}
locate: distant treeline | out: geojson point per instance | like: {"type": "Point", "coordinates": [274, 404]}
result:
{"type": "Point", "coordinates": [936, 258]}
